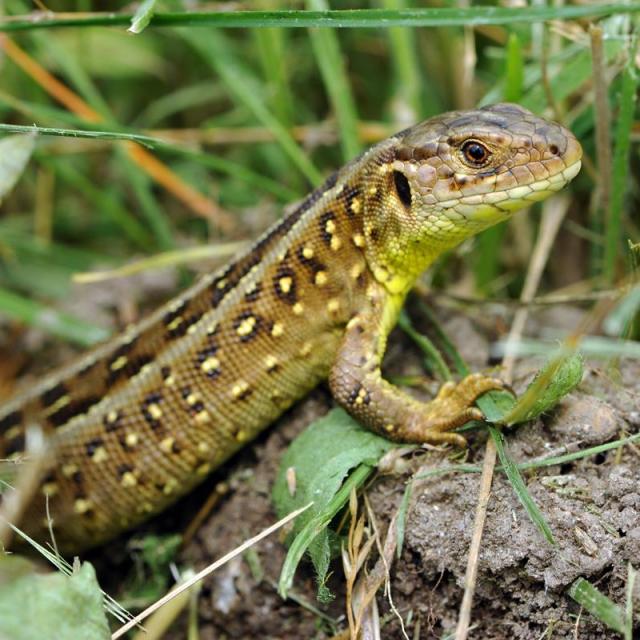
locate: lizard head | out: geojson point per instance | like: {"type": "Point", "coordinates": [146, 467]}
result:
{"type": "Point", "coordinates": [450, 177]}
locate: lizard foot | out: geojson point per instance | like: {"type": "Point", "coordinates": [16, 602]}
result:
{"type": "Point", "coordinates": [451, 408]}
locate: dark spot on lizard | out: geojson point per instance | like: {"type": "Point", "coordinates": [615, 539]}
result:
{"type": "Point", "coordinates": [354, 394]}
{"type": "Point", "coordinates": [129, 369]}
{"type": "Point", "coordinates": [15, 445]}
{"type": "Point", "coordinates": [170, 316]}
{"type": "Point", "coordinates": [124, 468]}
{"type": "Point", "coordinates": [52, 395]}
{"type": "Point", "coordinates": [325, 218]}
{"type": "Point", "coordinates": [311, 263]}
{"type": "Point", "coordinates": [76, 408]}
{"type": "Point", "coordinates": [403, 188]}
{"type": "Point", "coordinates": [12, 419]}
{"type": "Point", "coordinates": [151, 400]}
{"type": "Point", "coordinates": [350, 194]}
{"type": "Point", "coordinates": [284, 284]}
{"type": "Point", "coordinates": [254, 293]}
{"type": "Point", "coordinates": [92, 445]}
{"type": "Point", "coordinates": [112, 421]}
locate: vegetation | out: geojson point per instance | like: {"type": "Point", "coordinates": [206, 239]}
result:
{"type": "Point", "coordinates": [197, 131]}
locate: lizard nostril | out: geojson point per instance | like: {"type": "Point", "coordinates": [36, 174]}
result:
{"type": "Point", "coordinates": [554, 149]}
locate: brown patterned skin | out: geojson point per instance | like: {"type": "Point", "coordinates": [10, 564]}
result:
{"type": "Point", "coordinates": [141, 420]}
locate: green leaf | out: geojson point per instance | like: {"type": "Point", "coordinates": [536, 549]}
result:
{"type": "Point", "coordinates": [32, 605]}
{"type": "Point", "coordinates": [495, 405]}
{"type": "Point", "coordinates": [15, 152]}
{"type": "Point", "coordinates": [321, 457]}
{"type": "Point", "coordinates": [317, 528]}
{"type": "Point", "coordinates": [560, 376]}
{"type": "Point", "coordinates": [151, 574]}
{"type": "Point", "coordinates": [597, 604]}
{"type": "Point", "coordinates": [142, 16]}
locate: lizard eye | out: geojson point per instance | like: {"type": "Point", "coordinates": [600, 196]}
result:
{"type": "Point", "coordinates": [475, 153]}
{"type": "Point", "coordinates": [402, 188]}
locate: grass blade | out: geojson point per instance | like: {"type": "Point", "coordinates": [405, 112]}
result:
{"type": "Point", "coordinates": [597, 604]}
{"type": "Point", "coordinates": [343, 18]}
{"type": "Point", "coordinates": [403, 49]}
{"type": "Point", "coordinates": [15, 153]}
{"type": "Point", "coordinates": [215, 50]}
{"type": "Point", "coordinates": [329, 58]}
{"type": "Point", "coordinates": [591, 347]}
{"type": "Point", "coordinates": [435, 361]}
{"type": "Point", "coordinates": [142, 17]}
{"type": "Point", "coordinates": [217, 163]}
{"type": "Point", "coordinates": [495, 406]}
{"type": "Point", "coordinates": [632, 575]}
{"type": "Point", "coordinates": [519, 487]}
{"type": "Point", "coordinates": [57, 323]}
{"type": "Point", "coordinates": [620, 164]}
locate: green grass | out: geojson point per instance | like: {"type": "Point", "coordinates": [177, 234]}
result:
{"type": "Point", "coordinates": [276, 78]}
{"type": "Point", "coordinates": [371, 18]}
{"type": "Point", "coordinates": [299, 92]}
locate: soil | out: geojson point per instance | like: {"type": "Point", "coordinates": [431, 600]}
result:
{"type": "Point", "coordinates": [592, 506]}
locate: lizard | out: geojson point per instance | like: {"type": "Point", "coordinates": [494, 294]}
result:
{"type": "Point", "coordinates": [142, 419]}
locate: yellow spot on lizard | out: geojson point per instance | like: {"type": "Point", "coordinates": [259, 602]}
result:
{"type": "Point", "coordinates": [247, 325]}
{"type": "Point", "coordinates": [210, 365]}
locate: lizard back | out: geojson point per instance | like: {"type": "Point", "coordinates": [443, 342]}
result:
{"type": "Point", "coordinates": [137, 422]}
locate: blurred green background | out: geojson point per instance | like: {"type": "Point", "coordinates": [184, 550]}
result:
{"type": "Point", "coordinates": [252, 118]}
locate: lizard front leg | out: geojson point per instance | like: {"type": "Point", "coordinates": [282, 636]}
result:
{"type": "Point", "coordinates": [357, 384]}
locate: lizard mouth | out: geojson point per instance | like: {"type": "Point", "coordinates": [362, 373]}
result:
{"type": "Point", "coordinates": [572, 171]}
{"type": "Point", "coordinates": [553, 183]}
{"type": "Point", "coordinates": [561, 170]}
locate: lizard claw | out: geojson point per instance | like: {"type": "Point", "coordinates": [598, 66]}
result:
{"type": "Point", "coordinates": [452, 407]}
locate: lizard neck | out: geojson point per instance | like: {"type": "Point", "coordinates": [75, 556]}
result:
{"type": "Point", "coordinates": [397, 255]}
